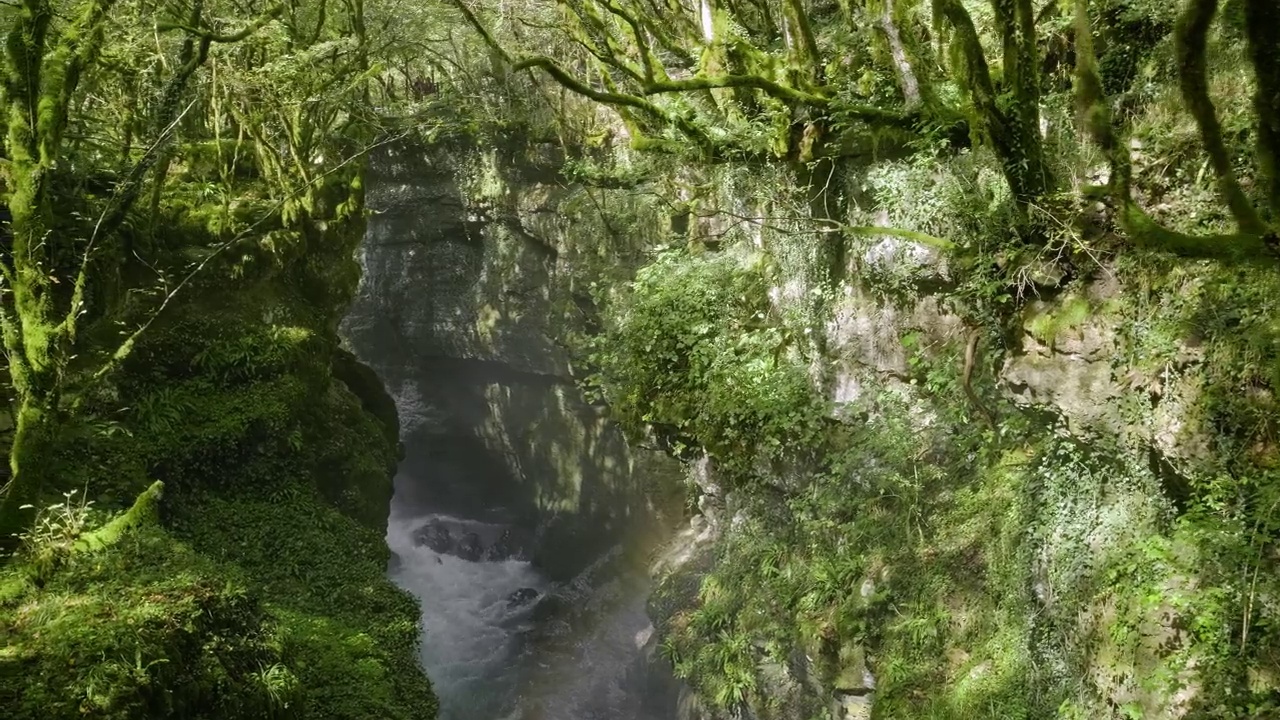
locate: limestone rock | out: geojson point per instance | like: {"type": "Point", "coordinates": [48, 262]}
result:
{"type": "Point", "coordinates": [470, 548]}
{"type": "Point", "coordinates": [852, 676]}
{"type": "Point", "coordinates": [463, 307]}
{"type": "Point", "coordinates": [436, 536]}
{"type": "Point", "coordinates": [507, 547]}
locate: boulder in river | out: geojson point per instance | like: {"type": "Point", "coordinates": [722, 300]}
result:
{"type": "Point", "coordinates": [470, 547]}
{"type": "Point", "coordinates": [506, 547]}
{"type": "Point", "coordinates": [521, 597]}
{"type": "Point", "coordinates": [436, 536]}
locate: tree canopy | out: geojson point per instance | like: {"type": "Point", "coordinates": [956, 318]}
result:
{"type": "Point", "coordinates": [144, 143]}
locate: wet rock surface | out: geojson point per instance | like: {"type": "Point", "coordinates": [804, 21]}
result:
{"type": "Point", "coordinates": [522, 597]}
{"type": "Point", "coordinates": [459, 312]}
{"type": "Point", "coordinates": [512, 491]}
{"type": "Point", "coordinates": [435, 536]}
{"type": "Point", "coordinates": [471, 540]}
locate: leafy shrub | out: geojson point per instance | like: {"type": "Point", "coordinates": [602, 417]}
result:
{"type": "Point", "coordinates": [52, 537]}
{"type": "Point", "coordinates": [694, 354]}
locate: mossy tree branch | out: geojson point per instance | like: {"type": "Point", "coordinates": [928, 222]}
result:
{"type": "Point", "coordinates": [645, 77]}
{"type": "Point", "coordinates": [207, 35]}
{"type": "Point", "coordinates": [590, 25]}
{"type": "Point", "coordinates": [902, 65]}
{"type": "Point", "coordinates": [1262, 18]}
{"type": "Point", "coordinates": [145, 510]}
{"type": "Point", "coordinates": [569, 82]}
{"type": "Point", "coordinates": [808, 55]}
{"type": "Point", "coordinates": [1191, 36]}
{"type": "Point", "coordinates": [1012, 121]}
{"type": "Point", "coordinates": [1141, 228]}
{"type": "Point", "coordinates": [652, 66]}
{"type": "Point", "coordinates": [709, 82]}
{"type": "Point", "coordinates": [39, 316]}
{"type": "Point", "coordinates": [910, 235]}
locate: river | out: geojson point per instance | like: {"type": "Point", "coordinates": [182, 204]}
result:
{"type": "Point", "coordinates": [495, 652]}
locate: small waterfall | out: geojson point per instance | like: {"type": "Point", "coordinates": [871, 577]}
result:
{"type": "Point", "coordinates": [470, 634]}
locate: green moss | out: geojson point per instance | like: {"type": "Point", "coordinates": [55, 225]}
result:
{"type": "Point", "coordinates": [207, 160]}
{"type": "Point", "coordinates": [964, 648]}
{"type": "Point", "coordinates": [270, 564]}
{"type": "Point", "coordinates": [268, 608]}
{"type": "Point", "coordinates": [365, 384]}
{"type": "Point", "coordinates": [1048, 326]}
{"type": "Point", "coordinates": [143, 628]}
{"type": "Point", "coordinates": [695, 353]}
{"type": "Point", "coordinates": [347, 633]}
{"type": "Point", "coordinates": [144, 511]}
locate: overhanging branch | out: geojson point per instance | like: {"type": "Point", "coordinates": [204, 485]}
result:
{"type": "Point", "coordinates": [211, 36]}
{"type": "Point", "coordinates": [1192, 39]}
{"type": "Point", "coordinates": [1142, 229]}
{"type": "Point", "coordinates": [711, 82]}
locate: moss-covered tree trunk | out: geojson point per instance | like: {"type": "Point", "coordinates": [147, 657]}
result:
{"type": "Point", "coordinates": [39, 315]}
{"type": "Point", "coordinates": [908, 82]}
{"type": "Point", "coordinates": [1009, 115]}
{"type": "Point", "coordinates": [1262, 23]}
{"type": "Point", "coordinates": [47, 267]}
{"type": "Point", "coordinates": [30, 455]}
{"type": "Point", "coordinates": [35, 107]}
{"type": "Point", "coordinates": [1193, 76]}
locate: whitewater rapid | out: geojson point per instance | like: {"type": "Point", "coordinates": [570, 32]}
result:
{"type": "Point", "coordinates": [574, 653]}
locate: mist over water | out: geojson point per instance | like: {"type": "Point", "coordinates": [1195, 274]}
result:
{"type": "Point", "coordinates": [573, 653]}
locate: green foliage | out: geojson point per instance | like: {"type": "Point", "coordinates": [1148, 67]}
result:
{"type": "Point", "coordinates": [1072, 312]}
{"type": "Point", "coordinates": [341, 624]}
{"type": "Point", "coordinates": [143, 628]}
{"type": "Point", "coordinates": [693, 353]}
{"type": "Point", "coordinates": [960, 200]}
{"type": "Point", "coordinates": [902, 548]}
{"type": "Point", "coordinates": [266, 585]}
{"type": "Point", "coordinates": [1138, 46]}
{"type": "Point", "coordinates": [57, 528]}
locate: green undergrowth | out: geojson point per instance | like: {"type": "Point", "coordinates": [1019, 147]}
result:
{"type": "Point", "coordinates": [697, 356]}
{"type": "Point", "coordinates": [144, 628]}
{"type": "Point", "coordinates": [235, 613]}
{"type": "Point", "coordinates": [350, 636]}
{"type": "Point", "coordinates": [1106, 549]}
{"type": "Point", "coordinates": [1036, 578]}
{"type": "Point", "coordinates": [1022, 571]}
{"type": "Point", "coordinates": [902, 553]}
{"type": "Point", "coordinates": [260, 589]}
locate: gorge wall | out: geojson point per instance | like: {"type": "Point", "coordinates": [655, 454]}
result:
{"type": "Point", "coordinates": [970, 511]}
{"type": "Point", "coordinates": [249, 578]}
{"type": "Point", "coordinates": [522, 517]}
{"type": "Point", "coordinates": [469, 297]}
{"type": "Point", "coordinates": [1021, 529]}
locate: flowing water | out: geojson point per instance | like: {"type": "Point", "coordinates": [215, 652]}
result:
{"type": "Point", "coordinates": [494, 651]}
{"type": "Point", "coordinates": [501, 639]}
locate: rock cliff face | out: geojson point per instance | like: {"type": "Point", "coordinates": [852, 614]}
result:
{"type": "Point", "coordinates": [1096, 396]}
{"type": "Point", "coordinates": [1109, 401]}
{"type": "Point", "coordinates": [466, 301]}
